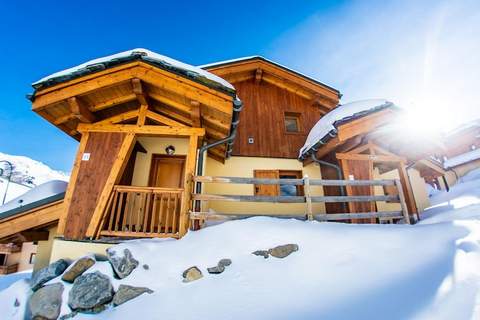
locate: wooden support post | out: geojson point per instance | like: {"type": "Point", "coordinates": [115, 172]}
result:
{"type": "Point", "coordinates": [403, 204]}
{"type": "Point", "coordinates": [308, 198]}
{"type": "Point", "coordinates": [189, 172]}
{"type": "Point", "coordinates": [71, 184]}
{"type": "Point", "coordinates": [196, 114]}
{"type": "Point", "coordinates": [114, 176]}
{"type": "Point", "coordinates": [407, 190]}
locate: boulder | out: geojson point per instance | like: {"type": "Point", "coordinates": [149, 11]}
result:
{"type": "Point", "coordinates": [46, 302]}
{"type": "Point", "coordinates": [68, 315]}
{"type": "Point", "coordinates": [192, 274]}
{"type": "Point", "coordinates": [220, 267]}
{"type": "Point", "coordinates": [78, 268]}
{"type": "Point", "coordinates": [126, 293]}
{"type": "Point", "coordinates": [283, 251]}
{"type": "Point", "coordinates": [48, 273]}
{"type": "Point", "coordinates": [90, 292]}
{"type": "Point", "coordinates": [146, 267]}
{"type": "Point", "coordinates": [263, 253]}
{"type": "Point", "coordinates": [124, 264]}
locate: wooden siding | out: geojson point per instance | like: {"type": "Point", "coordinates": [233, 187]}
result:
{"type": "Point", "coordinates": [263, 119]}
{"type": "Point", "coordinates": [92, 175]}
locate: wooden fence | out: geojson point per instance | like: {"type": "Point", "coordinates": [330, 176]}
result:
{"type": "Point", "coordinates": [307, 198]}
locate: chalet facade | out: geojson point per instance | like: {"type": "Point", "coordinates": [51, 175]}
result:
{"type": "Point", "coordinates": [151, 130]}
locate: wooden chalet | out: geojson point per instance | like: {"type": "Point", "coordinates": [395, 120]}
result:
{"type": "Point", "coordinates": [162, 144]}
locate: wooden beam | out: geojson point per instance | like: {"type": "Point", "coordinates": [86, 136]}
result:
{"type": "Point", "coordinates": [139, 91]}
{"type": "Point", "coordinates": [258, 75]}
{"type": "Point", "coordinates": [322, 103]}
{"type": "Point", "coordinates": [113, 102]}
{"type": "Point", "coordinates": [364, 124]}
{"type": "Point", "coordinates": [146, 130]}
{"type": "Point", "coordinates": [142, 115]}
{"type": "Point", "coordinates": [64, 119]}
{"type": "Point", "coordinates": [215, 123]}
{"type": "Point", "coordinates": [170, 102]}
{"type": "Point", "coordinates": [162, 119]}
{"type": "Point", "coordinates": [369, 157]}
{"type": "Point", "coordinates": [196, 114]}
{"type": "Point", "coordinates": [174, 115]}
{"type": "Point", "coordinates": [190, 165]}
{"type": "Point", "coordinates": [113, 178]}
{"type": "Point", "coordinates": [119, 118]}
{"type": "Point", "coordinates": [71, 184]}
{"type": "Point", "coordinates": [80, 110]}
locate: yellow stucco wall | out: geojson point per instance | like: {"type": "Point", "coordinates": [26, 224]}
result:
{"type": "Point", "coordinates": [44, 250]}
{"type": "Point", "coordinates": [157, 146]}
{"type": "Point", "coordinates": [23, 257]}
{"type": "Point", "coordinates": [64, 249]}
{"type": "Point", "coordinates": [243, 167]}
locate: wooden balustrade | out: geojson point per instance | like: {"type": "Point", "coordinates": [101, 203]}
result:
{"type": "Point", "coordinates": [9, 269]}
{"type": "Point", "coordinates": [143, 212]}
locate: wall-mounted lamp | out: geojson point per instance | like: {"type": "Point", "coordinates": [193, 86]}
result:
{"type": "Point", "coordinates": [170, 150]}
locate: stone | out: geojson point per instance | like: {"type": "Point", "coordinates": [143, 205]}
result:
{"type": "Point", "coordinates": [192, 274]}
{"type": "Point", "coordinates": [68, 315]}
{"type": "Point", "coordinates": [224, 262]}
{"type": "Point", "coordinates": [146, 267]}
{"type": "Point", "coordinates": [16, 304]}
{"type": "Point", "coordinates": [48, 273]}
{"type": "Point", "coordinates": [78, 268]}
{"type": "Point", "coordinates": [216, 269]}
{"type": "Point", "coordinates": [263, 253]}
{"type": "Point", "coordinates": [46, 302]}
{"type": "Point", "coordinates": [126, 293]}
{"type": "Point", "coordinates": [122, 265]}
{"type": "Point", "coordinates": [283, 250]}
{"type": "Point", "coordinates": [90, 292]}
{"type": "Point", "coordinates": [100, 257]}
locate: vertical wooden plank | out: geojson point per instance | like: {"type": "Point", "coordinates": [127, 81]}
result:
{"type": "Point", "coordinates": [111, 209]}
{"type": "Point", "coordinates": [71, 184]}
{"type": "Point", "coordinates": [119, 212]}
{"type": "Point", "coordinates": [169, 214]}
{"type": "Point", "coordinates": [407, 190]}
{"type": "Point", "coordinates": [308, 199]}
{"type": "Point", "coordinates": [161, 215]}
{"type": "Point", "coordinates": [175, 213]}
{"type": "Point", "coordinates": [114, 176]}
{"type": "Point", "coordinates": [403, 204]}
{"type": "Point", "coordinates": [146, 210]}
{"type": "Point", "coordinates": [189, 172]}
{"type": "Point", "coordinates": [155, 217]}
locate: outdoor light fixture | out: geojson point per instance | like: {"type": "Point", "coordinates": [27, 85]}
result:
{"type": "Point", "coordinates": [170, 150]}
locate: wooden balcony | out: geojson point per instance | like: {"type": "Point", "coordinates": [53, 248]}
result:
{"type": "Point", "coordinates": [143, 212]}
{"type": "Point", "coordinates": [8, 248]}
{"type": "Point", "coordinates": [9, 269]}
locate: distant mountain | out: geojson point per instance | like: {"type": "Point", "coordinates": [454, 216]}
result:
{"type": "Point", "coordinates": [27, 173]}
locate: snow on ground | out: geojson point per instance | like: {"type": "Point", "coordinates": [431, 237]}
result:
{"type": "Point", "coordinates": [341, 271]}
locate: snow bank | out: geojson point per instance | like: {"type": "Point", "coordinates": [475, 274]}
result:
{"type": "Point", "coordinates": [148, 55]}
{"type": "Point", "coordinates": [341, 113]}
{"type": "Point", "coordinates": [41, 192]}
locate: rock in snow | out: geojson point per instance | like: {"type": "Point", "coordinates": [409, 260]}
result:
{"type": "Point", "coordinates": [90, 292]}
{"type": "Point", "coordinates": [220, 267]}
{"type": "Point", "coordinates": [48, 273]}
{"type": "Point", "coordinates": [192, 274]}
{"type": "Point", "coordinates": [126, 293]}
{"type": "Point", "coordinates": [46, 302]}
{"type": "Point", "coordinates": [262, 253]}
{"type": "Point", "coordinates": [123, 265]}
{"type": "Point", "coordinates": [78, 268]}
{"type": "Point", "coordinates": [283, 251]}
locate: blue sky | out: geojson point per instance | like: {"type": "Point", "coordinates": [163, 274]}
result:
{"type": "Point", "coordinates": [397, 50]}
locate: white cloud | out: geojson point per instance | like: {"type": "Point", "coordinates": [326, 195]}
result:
{"type": "Point", "coordinates": [423, 55]}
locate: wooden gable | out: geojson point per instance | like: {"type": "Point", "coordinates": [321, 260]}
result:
{"type": "Point", "coordinates": [136, 92]}
{"type": "Point", "coordinates": [270, 93]}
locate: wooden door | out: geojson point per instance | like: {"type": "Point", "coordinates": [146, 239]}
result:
{"type": "Point", "coordinates": [266, 189]}
{"type": "Point", "coordinates": [359, 170]}
{"type": "Point", "coordinates": [167, 171]}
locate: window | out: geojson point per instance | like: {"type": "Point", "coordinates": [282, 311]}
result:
{"type": "Point", "coordinates": [32, 258]}
{"type": "Point", "coordinates": [292, 122]}
{"type": "Point", "coordinates": [274, 189]}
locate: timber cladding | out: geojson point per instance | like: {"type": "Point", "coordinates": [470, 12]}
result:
{"type": "Point", "coordinates": [263, 119]}
{"type": "Point", "coordinates": [92, 176]}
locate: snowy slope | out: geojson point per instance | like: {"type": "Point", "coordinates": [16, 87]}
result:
{"type": "Point", "coordinates": [25, 168]}
{"type": "Point", "coordinates": [341, 271]}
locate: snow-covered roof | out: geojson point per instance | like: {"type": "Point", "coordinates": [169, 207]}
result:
{"type": "Point", "coordinates": [462, 158]}
{"type": "Point", "coordinates": [232, 61]}
{"type": "Point", "coordinates": [469, 125]}
{"type": "Point", "coordinates": [44, 193]}
{"type": "Point", "coordinates": [327, 125]}
{"type": "Point", "coordinates": [164, 62]}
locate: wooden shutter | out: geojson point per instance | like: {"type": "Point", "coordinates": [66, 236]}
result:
{"type": "Point", "coordinates": [266, 189]}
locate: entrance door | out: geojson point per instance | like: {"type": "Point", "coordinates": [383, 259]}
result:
{"type": "Point", "coordinates": [167, 171]}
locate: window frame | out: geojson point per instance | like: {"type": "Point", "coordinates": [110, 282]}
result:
{"type": "Point", "coordinates": [295, 116]}
{"type": "Point", "coordinates": [257, 190]}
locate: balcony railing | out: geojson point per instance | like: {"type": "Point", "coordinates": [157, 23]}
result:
{"type": "Point", "coordinates": [143, 212]}
{"type": "Point", "coordinates": [7, 248]}
{"type": "Point", "coordinates": [9, 269]}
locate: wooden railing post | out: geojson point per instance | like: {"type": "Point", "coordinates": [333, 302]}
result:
{"type": "Point", "coordinates": [403, 204]}
{"type": "Point", "coordinates": [308, 198]}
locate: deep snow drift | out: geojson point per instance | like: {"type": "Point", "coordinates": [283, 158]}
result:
{"type": "Point", "coordinates": [341, 271]}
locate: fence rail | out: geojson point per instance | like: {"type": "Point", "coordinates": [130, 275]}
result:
{"type": "Point", "coordinates": [307, 198]}
{"type": "Point", "coordinates": [143, 212]}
